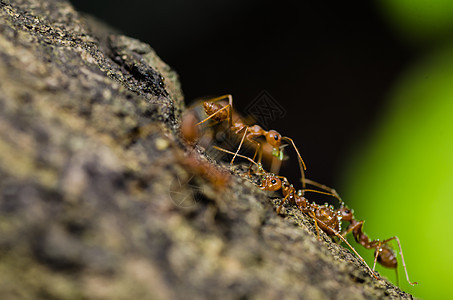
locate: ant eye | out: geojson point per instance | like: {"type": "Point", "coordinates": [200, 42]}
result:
{"type": "Point", "coordinates": [276, 137]}
{"type": "Point", "coordinates": [347, 211]}
{"type": "Point", "coordinates": [273, 181]}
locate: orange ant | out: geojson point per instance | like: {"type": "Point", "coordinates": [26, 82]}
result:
{"type": "Point", "coordinates": [188, 130]}
{"type": "Point", "coordinates": [219, 113]}
{"type": "Point", "coordinates": [323, 216]}
{"type": "Point", "coordinates": [383, 253]}
{"type": "Point", "coordinates": [218, 177]}
{"type": "Point", "coordinates": [192, 161]}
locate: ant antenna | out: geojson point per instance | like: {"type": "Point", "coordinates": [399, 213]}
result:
{"type": "Point", "coordinates": [326, 188]}
{"type": "Point", "coordinates": [239, 155]}
{"type": "Point", "coordinates": [320, 192]}
{"type": "Point", "coordinates": [240, 145]}
{"type": "Point", "coordinates": [302, 165]}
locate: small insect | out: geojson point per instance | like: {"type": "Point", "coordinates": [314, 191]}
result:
{"type": "Point", "coordinates": [383, 253]}
{"type": "Point", "coordinates": [324, 216]}
{"type": "Point", "coordinates": [219, 113]}
{"type": "Point", "coordinates": [189, 131]}
{"type": "Point", "coordinates": [216, 176]}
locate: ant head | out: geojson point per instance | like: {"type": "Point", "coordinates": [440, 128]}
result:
{"type": "Point", "coordinates": [274, 138]}
{"type": "Point", "coordinates": [346, 214]}
{"type": "Point", "coordinates": [271, 183]}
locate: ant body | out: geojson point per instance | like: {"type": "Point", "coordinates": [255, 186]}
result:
{"type": "Point", "coordinates": [383, 253]}
{"type": "Point", "coordinates": [218, 177]}
{"type": "Point", "coordinates": [323, 216]}
{"type": "Point", "coordinates": [219, 113]}
{"type": "Point", "coordinates": [188, 130]}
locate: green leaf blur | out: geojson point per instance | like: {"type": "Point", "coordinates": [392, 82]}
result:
{"type": "Point", "coordinates": [419, 21]}
{"type": "Point", "coordinates": [401, 180]}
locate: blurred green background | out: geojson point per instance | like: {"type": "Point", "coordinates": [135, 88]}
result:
{"type": "Point", "coordinates": [401, 179]}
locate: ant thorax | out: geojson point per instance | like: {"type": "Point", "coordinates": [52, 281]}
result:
{"type": "Point", "coordinates": [328, 216]}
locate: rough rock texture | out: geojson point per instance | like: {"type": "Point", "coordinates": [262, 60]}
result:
{"type": "Point", "coordinates": [94, 179]}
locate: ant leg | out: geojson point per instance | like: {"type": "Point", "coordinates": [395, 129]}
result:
{"type": "Point", "coordinates": [342, 237]}
{"type": "Point", "coordinates": [326, 188]}
{"type": "Point", "coordinates": [352, 248]}
{"type": "Point", "coordinates": [302, 165]}
{"type": "Point", "coordinates": [261, 171]}
{"type": "Point", "coordinates": [352, 228]}
{"type": "Point", "coordinates": [281, 204]}
{"type": "Point", "coordinates": [240, 145]}
{"type": "Point", "coordinates": [242, 156]}
{"type": "Point", "coordinates": [319, 192]}
{"type": "Point", "coordinates": [378, 249]}
{"type": "Point", "coordinates": [402, 257]}
{"type": "Point", "coordinates": [313, 216]}
{"type": "Point", "coordinates": [347, 243]}
{"type": "Point", "coordinates": [258, 148]}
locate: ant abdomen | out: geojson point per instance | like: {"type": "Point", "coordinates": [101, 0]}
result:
{"type": "Point", "coordinates": [386, 257]}
{"type": "Point", "coordinates": [212, 108]}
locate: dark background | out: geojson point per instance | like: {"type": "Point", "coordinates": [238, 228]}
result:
{"type": "Point", "coordinates": [329, 65]}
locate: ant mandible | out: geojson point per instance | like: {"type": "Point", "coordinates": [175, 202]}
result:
{"type": "Point", "coordinates": [220, 112]}
{"type": "Point", "coordinates": [323, 216]}
{"type": "Point", "coordinates": [383, 253]}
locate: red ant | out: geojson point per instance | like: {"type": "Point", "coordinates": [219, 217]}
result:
{"type": "Point", "coordinates": [220, 112]}
{"type": "Point", "coordinates": [323, 216]}
{"type": "Point", "coordinates": [218, 177]}
{"type": "Point", "coordinates": [383, 253]}
{"type": "Point", "coordinates": [189, 130]}
{"type": "Point", "coordinates": [193, 162]}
